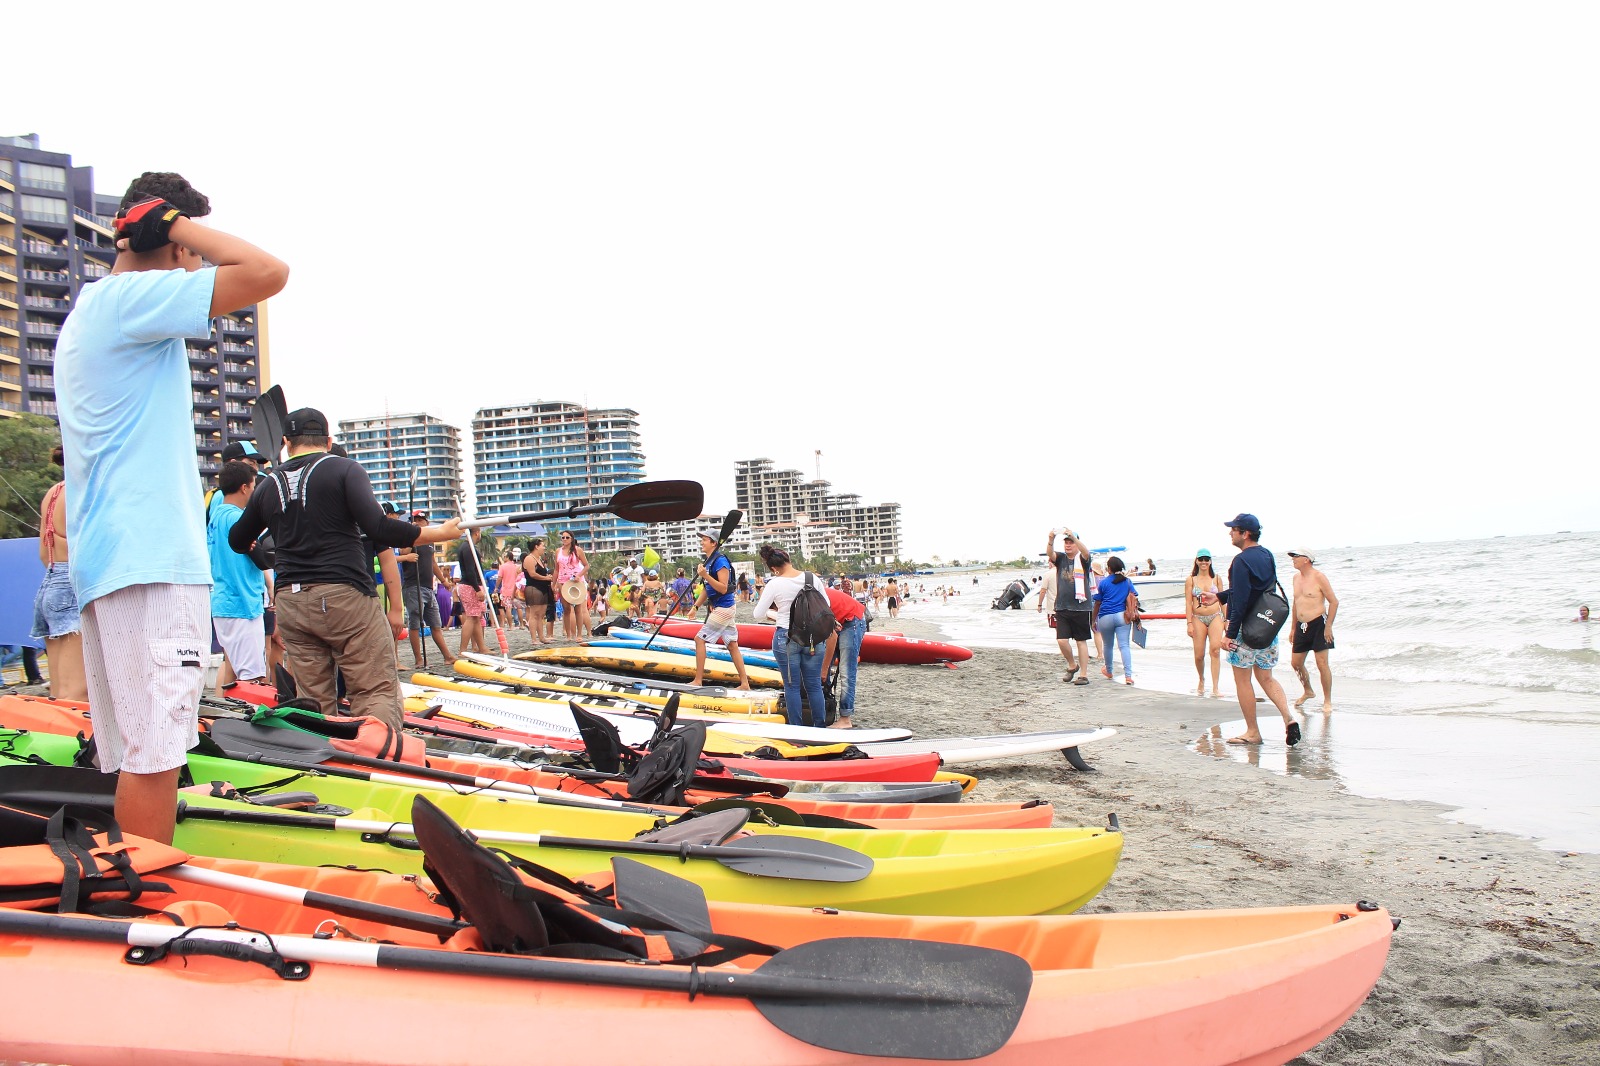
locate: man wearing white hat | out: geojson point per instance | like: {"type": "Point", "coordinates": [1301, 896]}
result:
{"type": "Point", "coordinates": [1314, 608]}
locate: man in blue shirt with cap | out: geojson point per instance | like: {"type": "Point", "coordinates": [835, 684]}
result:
{"type": "Point", "coordinates": [1252, 573]}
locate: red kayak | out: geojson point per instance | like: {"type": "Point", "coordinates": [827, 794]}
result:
{"type": "Point", "coordinates": [875, 647]}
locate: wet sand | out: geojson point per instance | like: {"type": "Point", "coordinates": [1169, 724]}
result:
{"type": "Point", "coordinates": [1497, 960]}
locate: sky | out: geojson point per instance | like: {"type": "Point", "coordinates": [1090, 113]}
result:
{"type": "Point", "coordinates": [1126, 268]}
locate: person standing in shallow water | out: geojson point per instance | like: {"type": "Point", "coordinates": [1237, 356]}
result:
{"type": "Point", "coordinates": [1252, 573]}
{"type": "Point", "coordinates": [1314, 608]}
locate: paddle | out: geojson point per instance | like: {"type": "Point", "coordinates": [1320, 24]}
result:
{"type": "Point", "coordinates": [778, 814]}
{"type": "Point", "coordinates": [794, 858]}
{"type": "Point", "coordinates": [271, 412]}
{"type": "Point", "coordinates": [294, 750]}
{"type": "Point", "coordinates": [903, 998]}
{"type": "Point", "coordinates": [704, 783]}
{"type": "Point", "coordinates": [305, 897]}
{"type": "Point", "coordinates": [729, 524]}
{"type": "Point", "coordinates": [643, 501]}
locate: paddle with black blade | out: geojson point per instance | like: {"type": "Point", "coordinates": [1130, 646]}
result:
{"type": "Point", "coordinates": [267, 421]}
{"type": "Point", "coordinates": [729, 524]}
{"type": "Point", "coordinates": [902, 998]}
{"type": "Point", "coordinates": [643, 501]}
{"type": "Point", "coordinates": [793, 858]}
{"type": "Point", "coordinates": [295, 750]}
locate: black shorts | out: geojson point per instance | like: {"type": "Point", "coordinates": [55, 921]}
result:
{"type": "Point", "coordinates": [1308, 636]}
{"type": "Point", "coordinates": [1073, 625]}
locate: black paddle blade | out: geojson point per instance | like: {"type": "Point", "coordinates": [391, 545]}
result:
{"type": "Point", "coordinates": [271, 411]}
{"type": "Point", "coordinates": [681, 904]}
{"type": "Point", "coordinates": [729, 524]}
{"type": "Point", "coordinates": [659, 501]}
{"type": "Point", "coordinates": [797, 858]}
{"type": "Point", "coordinates": [904, 998]}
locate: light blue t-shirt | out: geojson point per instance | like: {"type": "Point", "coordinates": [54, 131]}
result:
{"type": "Point", "coordinates": [238, 588]}
{"type": "Point", "coordinates": [127, 428]}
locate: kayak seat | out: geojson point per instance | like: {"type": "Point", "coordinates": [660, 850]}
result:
{"type": "Point", "coordinates": [519, 907]}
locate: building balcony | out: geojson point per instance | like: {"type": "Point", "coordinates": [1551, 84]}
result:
{"type": "Point", "coordinates": [10, 376]}
{"type": "Point", "coordinates": [44, 329]}
{"type": "Point", "coordinates": [8, 322]}
{"type": "Point", "coordinates": [10, 406]}
{"type": "Point", "coordinates": [46, 249]}
{"type": "Point", "coordinates": [8, 351]}
{"type": "Point", "coordinates": [247, 391]}
{"type": "Point", "coordinates": [238, 368]}
{"type": "Point", "coordinates": [8, 300]}
{"type": "Point", "coordinates": [237, 349]}
{"type": "Point", "coordinates": [204, 399]}
{"type": "Point", "coordinates": [42, 382]}
{"type": "Point", "coordinates": [48, 303]}
{"type": "Point", "coordinates": [8, 269]}
{"type": "Point", "coordinates": [40, 354]}
{"type": "Point", "coordinates": [44, 185]}
{"type": "Point", "coordinates": [237, 409]}
{"type": "Point", "coordinates": [55, 277]}
{"type": "Point", "coordinates": [98, 249]}
{"type": "Point", "coordinates": [233, 325]}
{"type": "Point", "coordinates": [100, 222]}
{"type": "Point", "coordinates": [94, 270]}
{"type": "Point", "coordinates": [202, 379]}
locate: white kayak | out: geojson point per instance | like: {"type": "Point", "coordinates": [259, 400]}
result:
{"type": "Point", "coordinates": [554, 720]}
{"type": "Point", "coordinates": [958, 751]}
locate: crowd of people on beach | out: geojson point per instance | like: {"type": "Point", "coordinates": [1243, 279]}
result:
{"type": "Point", "coordinates": [1095, 601]}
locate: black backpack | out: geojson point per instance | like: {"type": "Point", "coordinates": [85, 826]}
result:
{"type": "Point", "coordinates": [811, 620]}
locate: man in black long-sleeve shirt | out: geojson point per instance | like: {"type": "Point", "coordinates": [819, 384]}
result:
{"type": "Point", "coordinates": [1253, 572]}
{"type": "Point", "coordinates": [318, 506]}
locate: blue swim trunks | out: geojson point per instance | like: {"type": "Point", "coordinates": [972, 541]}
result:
{"type": "Point", "coordinates": [1247, 658]}
{"type": "Point", "coordinates": [55, 606]}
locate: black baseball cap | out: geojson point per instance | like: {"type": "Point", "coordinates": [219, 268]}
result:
{"type": "Point", "coordinates": [1247, 522]}
{"type": "Point", "coordinates": [306, 422]}
{"type": "Point", "coordinates": [242, 449]}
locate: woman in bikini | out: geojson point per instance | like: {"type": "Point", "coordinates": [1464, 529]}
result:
{"type": "Point", "coordinates": [1203, 605]}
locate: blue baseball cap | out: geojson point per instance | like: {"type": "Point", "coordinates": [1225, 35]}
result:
{"type": "Point", "coordinates": [1247, 522]}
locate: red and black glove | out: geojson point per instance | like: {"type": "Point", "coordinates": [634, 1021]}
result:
{"type": "Point", "coordinates": [147, 223]}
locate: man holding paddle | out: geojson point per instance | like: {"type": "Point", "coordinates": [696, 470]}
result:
{"type": "Point", "coordinates": [318, 505]}
{"type": "Point", "coordinates": [127, 433]}
{"type": "Point", "coordinates": [717, 574]}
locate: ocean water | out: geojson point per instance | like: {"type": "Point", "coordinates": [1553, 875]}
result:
{"type": "Point", "coordinates": [1459, 677]}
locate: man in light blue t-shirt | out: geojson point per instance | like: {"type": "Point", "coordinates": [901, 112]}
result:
{"type": "Point", "coordinates": [140, 568]}
{"type": "Point", "coordinates": [238, 587]}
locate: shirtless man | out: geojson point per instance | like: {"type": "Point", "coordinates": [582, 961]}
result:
{"type": "Point", "coordinates": [1314, 608]}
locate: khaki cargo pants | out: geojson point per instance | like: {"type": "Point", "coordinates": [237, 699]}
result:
{"type": "Point", "coordinates": [328, 628]}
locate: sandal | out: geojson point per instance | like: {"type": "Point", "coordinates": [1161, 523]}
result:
{"type": "Point", "coordinates": [1082, 681]}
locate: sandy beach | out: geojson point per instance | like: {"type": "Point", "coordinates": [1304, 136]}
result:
{"type": "Point", "coordinates": [1497, 959]}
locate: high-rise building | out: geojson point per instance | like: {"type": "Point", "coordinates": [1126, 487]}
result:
{"type": "Point", "coordinates": [56, 238]}
{"type": "Point", "coordinates": [807, 517]}
{"type": "Point", "coordinates": [549, 455]}
{"type": "Point", "coordinates": [414, 460]}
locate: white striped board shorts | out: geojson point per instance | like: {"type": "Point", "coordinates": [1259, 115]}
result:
{"type": "Point", "coordinates": [145, 649]}
{"type": "Point", "coordinates": [719, 627]}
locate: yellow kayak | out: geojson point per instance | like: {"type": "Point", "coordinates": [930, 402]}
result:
{"type": "Point", "coordinates": [587, 700]}
{"type": "Point", "coordinates": [531, 675]}
{"type": "Point", "coordinates": [650, 663]}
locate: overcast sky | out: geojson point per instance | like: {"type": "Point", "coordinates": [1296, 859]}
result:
{"type": "Point", "coordinates": [1129, 267]}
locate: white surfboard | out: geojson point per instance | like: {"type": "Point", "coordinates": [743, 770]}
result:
{"type": "Point", "coordinates": [959, 751]}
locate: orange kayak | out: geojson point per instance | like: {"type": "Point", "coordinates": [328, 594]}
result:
{"type": "Point", "coordinates": [1166, 988]}
{"type": "Point", "coordinates": [67, 718]}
